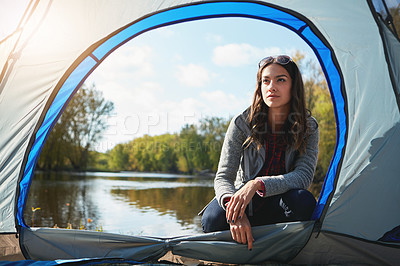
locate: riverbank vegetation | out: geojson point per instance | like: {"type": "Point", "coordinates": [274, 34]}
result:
{"type": "Point", "coordinates": [195, 149]}
{"type": "Point", "coordinates": [69, 145]}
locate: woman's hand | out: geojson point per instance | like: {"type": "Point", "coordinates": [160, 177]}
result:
{"type": "Point", "coordinates": [239, 201]}
{"type": "Point", "coordinates": [241, 232]}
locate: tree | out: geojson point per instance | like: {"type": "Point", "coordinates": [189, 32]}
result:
{"type": "Point", "coordinates": [213, 129]}
{"type": "Point", "coordinates": [195, 148]}
{"type": "Point", "coordinates": [395, 12]}
{"type": "Point", "coordinates": [166, 155]}
{"type": "Point", "coordinates": [323, 111]}
{"type": "Point", "coordinates": [77, 130]}
{"type": "Point", "coordinates": [191, 148]}
{"type": "Point", "coordinates": [54, 150]}
{"type": "Point", "coordinates": [319, 102]}
{"type": "Point", "coordinates": [119, 157]}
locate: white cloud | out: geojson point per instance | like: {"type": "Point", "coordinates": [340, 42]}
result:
{"type": "Point", "coordinates": [235, 54]}
{"type": "Point", "coordinates": [136, 113]}
{"type": "Point", "coordinates": [192, 75]}
{"type": "Point", "coordinates": [128, 97]}
{"type": "Point", "coordinates": [190, 110]}
{"type": "Point", "coordinates": [223, 104]}
{"type": "Point", "coordinates": [128, 62]}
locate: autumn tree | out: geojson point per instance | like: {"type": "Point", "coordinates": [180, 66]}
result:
{"type": "Point", "coordinates": [318, 101]}
{"type": "Point", "coordinates": [78, 129]}
{"type": "Point", "coordinates": [395, 13]}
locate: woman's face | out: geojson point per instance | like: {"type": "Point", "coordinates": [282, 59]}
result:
{"type": "Point", "coordinates": [276, 85]}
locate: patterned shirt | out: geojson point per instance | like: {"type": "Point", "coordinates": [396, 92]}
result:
{"type": "Point", "coordinates": [274, 164]}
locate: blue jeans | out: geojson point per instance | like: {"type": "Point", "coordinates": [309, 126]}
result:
{"type": "Point", "coordinates": [294, 205]}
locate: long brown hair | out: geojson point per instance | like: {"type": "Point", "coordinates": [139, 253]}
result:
{"type": "Point", "coordinates": [295, 127]}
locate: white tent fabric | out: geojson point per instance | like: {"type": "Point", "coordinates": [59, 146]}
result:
{"type": "Point", "coordinates": [62, 42]}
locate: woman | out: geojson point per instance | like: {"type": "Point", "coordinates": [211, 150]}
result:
{"type": "Point", "coordinates": [268, 157]}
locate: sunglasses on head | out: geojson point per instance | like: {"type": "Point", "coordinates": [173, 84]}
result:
{"type": "Point", "coordinates": [280, 59]}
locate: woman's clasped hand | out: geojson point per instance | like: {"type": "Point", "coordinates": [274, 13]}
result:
{"type": "Point", "coordinates": [235, 213]}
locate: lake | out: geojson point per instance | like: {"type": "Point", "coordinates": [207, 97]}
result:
{"type": "Point", "coordinates": [146, 204]}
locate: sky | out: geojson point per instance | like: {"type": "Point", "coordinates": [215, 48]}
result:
{"type": "Point", "coordinates": [180, 74]}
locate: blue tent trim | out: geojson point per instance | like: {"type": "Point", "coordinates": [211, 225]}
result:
{"type": "Point", "coordinates": [54, 112]}
{"type": "Point", "coordinates": [97, 53]}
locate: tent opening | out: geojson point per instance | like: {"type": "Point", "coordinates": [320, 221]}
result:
{"type": "Point", "coordinates": [93, 57]}
{"type": "Point", "coordinates": [171, 119]}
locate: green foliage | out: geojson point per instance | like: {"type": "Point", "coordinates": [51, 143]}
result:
{"type": "Point", "coordinates": [194, 149]}
{"type": "Point", "coordinates": [213, 129]}
{"type": "Point", "coordinates": [319, 102]}
{"type": "Point", "coordinates": [98, 161]}
{"type": "Point", "coordinates": [151, 154]}
{"type": "Point", "coordinates": [395, 12]}
{"type": "Point", "coordinates": [118, 158]}
{"type": "Point", "coordinates": [323, 111]}
{"type": "Point", "coordinates": [78, 129]}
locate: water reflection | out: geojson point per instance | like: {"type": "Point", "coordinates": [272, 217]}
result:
{"type": "Point", "coordinates": [184, 202]}
{"type": "Point", "coordinates": [62, 199]}
{"type": "Point", "coordinates": [128, 203]}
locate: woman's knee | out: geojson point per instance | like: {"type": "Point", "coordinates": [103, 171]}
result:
{"type": "Point", "coordinates": [214, 218]}
{"type": "Point", "coordinates": [300, 203]}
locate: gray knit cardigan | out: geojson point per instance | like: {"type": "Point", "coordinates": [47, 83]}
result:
{"type": "Point", "coordinates": [238, 164]}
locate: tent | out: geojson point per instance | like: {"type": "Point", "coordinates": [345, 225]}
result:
{"type": "Point", "coordinates": [357, 219]}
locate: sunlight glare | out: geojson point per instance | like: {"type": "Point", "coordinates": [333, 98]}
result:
{"type": "Point", "coordinates": [11, 12]}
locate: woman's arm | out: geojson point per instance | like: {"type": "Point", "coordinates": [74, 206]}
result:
{"type": "Point", "coordinates": [229, 162]}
